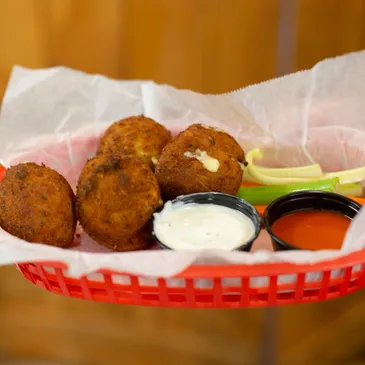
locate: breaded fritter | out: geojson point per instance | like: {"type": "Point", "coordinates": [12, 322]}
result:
{"type": "Point", "coordinates": [116, 197]}
{"type": "Point", "coordinates": [136, 136]}
{"type": "Point", "coordinates": [198, 161]}
{"type": "Point", "coordinates": [37, 205]}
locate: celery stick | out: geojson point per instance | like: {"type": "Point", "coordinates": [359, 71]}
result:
{"type": "Point", "coordinates": [263, 195]}
{"type": "Point", "coordinates": [348, 176]}
{"type": "Point", "coordinates": [270, 180]}
{"type": "Point", "coordinates": [247, 177]}
{"type": "Point", "coordinates": [350, 190]}
{"type": "Point", "coordinates": [310, 171]}
{"type": "Point", "coordinates": [283, 176]}
{"type": "Point", "coordinates": [302, 171]}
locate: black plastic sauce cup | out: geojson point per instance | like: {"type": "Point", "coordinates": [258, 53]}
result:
{"type": "Point", "coordinates": [225, 200]}
{"type": "Point", "coordinates": [305, 200]}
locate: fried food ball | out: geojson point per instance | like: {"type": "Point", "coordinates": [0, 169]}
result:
{"type": "Point", "coordinates": [137, 136]}
{"type": "Point", "coordinates": [116, 197]}
{"type": "Point", "coordinates": [198, 160]}
{"type": "Point", "coordinates": [37, 205]}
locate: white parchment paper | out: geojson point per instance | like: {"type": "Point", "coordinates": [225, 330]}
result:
{"type": "Point", "coordinates": [56, 116]}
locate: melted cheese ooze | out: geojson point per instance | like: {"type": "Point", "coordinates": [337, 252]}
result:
{"type": "Point", "coordinates": [193, 227]}
{"type": "Point", "coordinates": [210, 163]}
{"type": "Point", "coordinates": [154, 160]}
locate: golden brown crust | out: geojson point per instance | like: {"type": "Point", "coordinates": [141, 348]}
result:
{"type": "Point", "coordinates": [139, 240]}
{"type": "Point", "coordinates": [210, 138]}
{"type": "Point", "coordinates": [37, 205]}
{"type": "Point", "coordinates": [138, 136]}
{"type": "Point", "coordinates": [116, 197]}
{"type": "Point", "coordinates": [181, 175]}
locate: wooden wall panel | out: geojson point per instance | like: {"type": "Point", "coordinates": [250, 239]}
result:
{"type": "Point", "coordinates": [22, 40]}
{"type": "Point", "coordinates": [328, 28]}
{"type": "Point", "coordinates": [205, 45]}
{"type": "Point", "coordinates": [83, 34]}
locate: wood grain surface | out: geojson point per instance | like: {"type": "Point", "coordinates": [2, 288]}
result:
{"type": "Point", "coordinates": [210, 46]}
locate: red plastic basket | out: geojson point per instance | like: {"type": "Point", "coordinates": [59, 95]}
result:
{"type": "Point", "coordinates": [226, 286]}
{"type": "Point", "coordinates": [51, 276]}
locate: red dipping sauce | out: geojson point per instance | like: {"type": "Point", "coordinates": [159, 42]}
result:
{"type": "Point", "coordinates": [312, 229]}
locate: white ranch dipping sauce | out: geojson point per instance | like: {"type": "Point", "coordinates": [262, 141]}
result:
{"type": "Point", "coordinates": [193, 227]}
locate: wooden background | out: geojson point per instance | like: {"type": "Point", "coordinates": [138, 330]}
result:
{"type": "Point", "coordinates": [210, 46]}
{"type": "Point", "coordinates": [207, 45]}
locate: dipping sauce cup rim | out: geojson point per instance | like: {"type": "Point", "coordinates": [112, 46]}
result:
{"type": "Point", "coordinates": [310, 194]}
{"type": "Point", "coordinates": [226, 200]}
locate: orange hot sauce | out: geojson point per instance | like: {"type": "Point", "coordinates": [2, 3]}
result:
{"type": "Point", "coordinates": [312, 230]}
